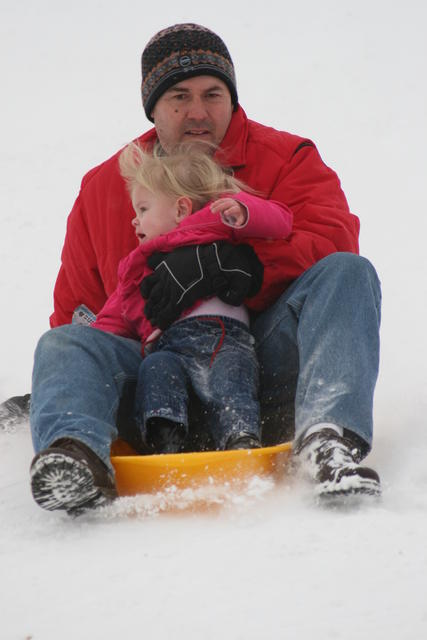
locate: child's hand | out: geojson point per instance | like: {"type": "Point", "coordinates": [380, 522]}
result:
{"type": "Point", "coordinates": [232, 212]}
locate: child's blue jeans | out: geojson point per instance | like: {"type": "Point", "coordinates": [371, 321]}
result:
{"type": "Point", "coordinates": [212, 357]}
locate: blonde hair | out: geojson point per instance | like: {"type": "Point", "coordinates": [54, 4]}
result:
{"type": "Point", "coordinates": [189, 170]}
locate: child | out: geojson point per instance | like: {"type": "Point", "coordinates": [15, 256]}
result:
{"type": "Point", "coordinates": [186, 198]}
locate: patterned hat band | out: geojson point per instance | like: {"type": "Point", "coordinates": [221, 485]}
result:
{"type": "Point", "coordinates": [181, 52]}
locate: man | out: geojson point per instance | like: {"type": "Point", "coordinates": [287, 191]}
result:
{"type": "Point", "coordinates": [318, 341]}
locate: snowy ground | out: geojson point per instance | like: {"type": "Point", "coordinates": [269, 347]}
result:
{"type": "Point", "coordinates": [267, 564]}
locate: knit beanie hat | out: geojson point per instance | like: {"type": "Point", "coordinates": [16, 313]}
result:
{"type": "Point", "coordinates": [180, 52]}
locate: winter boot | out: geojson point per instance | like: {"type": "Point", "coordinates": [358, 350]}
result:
{"type": "Point", "coordinates": [165, 436]}
{"type": "Point", "coordinates": [68, 475]}
{"type": "Point", "coordinates": [243, 441]}
{"type": "Point", "coordinates": [331, 462]}
{"type": "Point", "coordinates": [14, 410]}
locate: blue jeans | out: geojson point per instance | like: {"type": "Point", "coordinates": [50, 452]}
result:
{"type": "Point", "coordinates": [81, 374]}
{"type": "Point", "coordinates": [79, 377]}
{"type": "Point", "coordinates": [318, 349]}
{"type": "Point", "coordinates": [318, 346]}
{"type": "Point", "coordinates": [214, 358]}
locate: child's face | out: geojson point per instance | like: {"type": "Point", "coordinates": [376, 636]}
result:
{"type": "Point", "coordinates": [155, 214]}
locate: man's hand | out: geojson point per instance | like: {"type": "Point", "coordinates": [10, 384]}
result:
{"type": "Point", "coordinates": [188, 274]}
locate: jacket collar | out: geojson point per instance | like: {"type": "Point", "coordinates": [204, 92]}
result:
{"type": "Point", "coordinates": [233, 147]}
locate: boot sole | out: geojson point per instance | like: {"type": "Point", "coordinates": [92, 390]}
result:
{"type": "Point", "coordinates": [59, 481]}
{"type": "Point", "coordinates": [353, 490]}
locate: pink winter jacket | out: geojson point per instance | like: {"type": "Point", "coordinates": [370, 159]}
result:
{"type": "Point", "coordinates": [123, 313]}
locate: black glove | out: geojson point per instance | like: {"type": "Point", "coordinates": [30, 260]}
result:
{"type": "Point", "coordinates": [188, 274]}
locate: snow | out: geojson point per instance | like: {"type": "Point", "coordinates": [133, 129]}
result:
{"type": "Point", "coordinates": [265, 563]}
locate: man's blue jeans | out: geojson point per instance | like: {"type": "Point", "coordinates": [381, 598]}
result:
{"type": "Point", "coordinates": [79, 377]}
{"type": "Point", "coordinates": [318, 346]}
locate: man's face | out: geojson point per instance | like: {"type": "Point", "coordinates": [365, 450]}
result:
{"type": "Point", "coordinates": [195, 110]}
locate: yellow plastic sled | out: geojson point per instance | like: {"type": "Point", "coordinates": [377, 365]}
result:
{"type": "Point", "coordinates": [150, 474]}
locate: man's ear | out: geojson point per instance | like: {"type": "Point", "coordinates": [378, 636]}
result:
{"type": "Point", "coordinates": [184, 208]}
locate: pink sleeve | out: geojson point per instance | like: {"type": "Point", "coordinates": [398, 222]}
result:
{"type": "Point", "coordinates": [267, 219]}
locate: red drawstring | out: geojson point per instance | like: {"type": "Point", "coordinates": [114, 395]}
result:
{"type": "Point", "coordinates": [215, 351]}
{"type": "Point", "coordinates": [221, 340]}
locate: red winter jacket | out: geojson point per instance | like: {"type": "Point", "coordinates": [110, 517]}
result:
{"type": "Point", "coordinates": [123, 313]}
{"type": "Point", "coordinates": [279, 165]}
